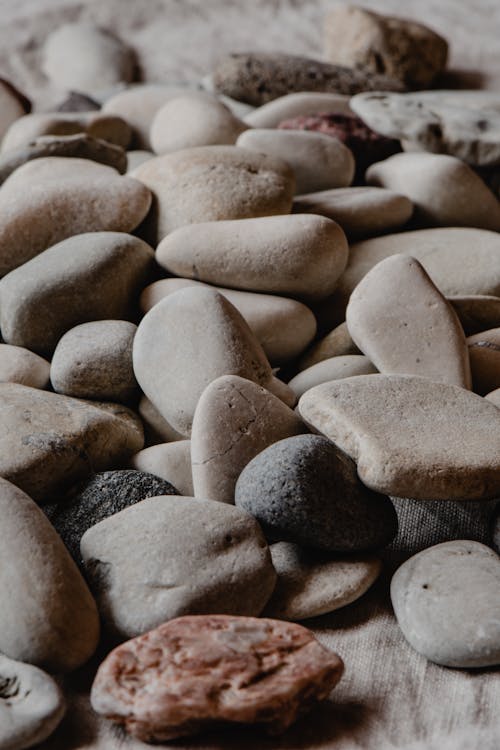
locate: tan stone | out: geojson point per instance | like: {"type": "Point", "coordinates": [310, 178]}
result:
{"type": "Point", "coordinates": [337, 343]}
{"type": "Point", "coordinates": [170, 461]}
{"type": "Point", "coordinates": [484, 353]}
{"type": "Point", "coordinates": [494, 397]}
{"type": "Point", "coordinates": [19, 365]}
{"type": "Point", "coordinates": [477, 312]}
{"type": "Point", "coordinates": [333, 368]}
{"type": "Point", "coordinates": [293, 105]}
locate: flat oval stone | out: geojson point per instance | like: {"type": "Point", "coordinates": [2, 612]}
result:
{"type": "Point", "coordinates": [212, 669]}
{"type": "Point", "coordinates": [301, 255]}
{"type": "Point", "coordinates": [13, 105]}
{"type": "Point", "coordinates": [311, 584]}
{"type": "Point", "coordinates": [49, 441]}
{"type": "Point", "coordinates": [299, 104]}
{"type": "Point", "coordinates": [484, 353]}
{"type": "Point", "coordinates": [105, 127]}
{"type": "Point", "coordinates": [337, 343]}
{"type": "Point", "coordinates": [333, 368]}
{"type": "Point", "coordinates": [19, 365]}
{"type": "Point", "coordinates": [211, 183]}
{"type": "Point", "coordinates": [319, 162]}
{"type": "Point", "coordinates": [446, 603]}
{"type": "Point", "coordinates": [407, 435]}
{"type": "Point", "coordinates": [305, 490]}
{"type": "Point", "coordinates": [476, 312]}
{"type": "Point", "coordinates": [141, 565]}
{"type": "Point", "coordinates": [31, 705]}
{"type": "Point", "coordinates": [170, 461]}
{"type": "Point", "coordinates": [52, 620]}
{"type": "Point", "coordinates": [234, 420]}
{"type": "Point", "coordinates": [88, 277]}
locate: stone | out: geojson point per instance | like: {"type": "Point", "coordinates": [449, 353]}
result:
{"type": "Point", "coordinates": [360, 211]}
{"type": "Point", "coordinates": [98, 497]}
{"type": "Point", "coordinates": [311, 584]}
{"type": "Point", "coordinates": [234, 420]}
{"type": "Point", "coordinates": [50, 199]}
{"type": "Point", "coordinates": [404, 325]}
{"type": "Point", "coordinates": [494, 397]}
{"type": "Point", "coordinates": [439, 125]}
{"type": "Point", "coordinates": [79, 146]}
{"type": "Point", "coordinates": [135, 158]}
{"type": "Point", "coordinates": [48, 441]}
{"type": "Point", "coordinates": [318, 161]}
{"type": "Point", "coordinates": [284, 327]}
{"type": "Point", "coordinates": [13, 105]}
{"type": "Point", "coordinates": [211, 183]}
{"type": "Point", "coordinates": [444, 191]}
{"type": "Point", "coordinates": [257, 77]}
{"type": "Point", "coordinates": [51, 620]}
{"type": "Point", "coordinates": [31, 705]}
{"type": "Point", "coordinates": [173, 369]}
{"type": "Point", "coordinates": [337, 343]}
{"type": "Point", "coordinates": [84, 57]}
{"type": "Point", "coordinates": [476, 312]}
{"type": "Point", "coordinates": [194, 119]}
{"type": "Point", "coordinates": [156, 428]}
{"type": "Point", "coordinates": [397, 47]}
{"type": "Point", "coordinates": [301, 255]}
{"type": "Point", "coordinates": [171, 556]}
{"type": "Point", "coordinates": [495, 522]}
{"type": "Point", "coordinates": [300, 104]}
{"type": "Point", "coordinates": [411, 437]}
{"type": "Point", "coordinates": [304, 490]}
{"type": "Point", "coordinates": [332, 368]}
{"type": "Point", "coordinates": [484, 353]}
{"type": "Point", "coordinates": [75, 101]}
{"type": "Point", "coordinates": [97, 125]}
{"type": "Point", "coordinates": [94, 360]}
{"type": "Point", "coordinates": [446, 602]}
{"type": "Point", "coordinates": [18, 365]}
{"type": "Point", "coordinates": [88, 277]}
{"type": "Point", "coordinates": [170, 461]}
{"type": "Point", "coordinates": [214, 669]}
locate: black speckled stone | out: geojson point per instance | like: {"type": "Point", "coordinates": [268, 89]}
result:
{"type": "Point", "coordinates": [305, 490]}
{"type": "Point", "coordinates": [103, 495]}
{"type": "Point", "coordinates": [495, 528]}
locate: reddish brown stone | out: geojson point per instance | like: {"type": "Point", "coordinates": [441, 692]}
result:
{"type": "Point", "coordinates": [197, 670]}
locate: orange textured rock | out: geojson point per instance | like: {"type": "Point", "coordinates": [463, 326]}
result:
{"type": "Point", "coordinates": [195, 670]}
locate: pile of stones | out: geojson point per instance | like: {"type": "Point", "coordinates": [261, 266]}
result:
{"type": "Point", "coordinates": [237, 319]}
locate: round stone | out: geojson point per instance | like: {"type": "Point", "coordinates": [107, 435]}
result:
{"type": "Point", "coordinates": [170, 461]}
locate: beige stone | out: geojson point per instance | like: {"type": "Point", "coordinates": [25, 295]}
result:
{"type": "Point", "coordinates": [157, 429]}
{"type": "Point", "coordinates": [494, 397]}
{"type": "Point", "coordinates": [234, 420]}
{"type": "Point", "coordinates": [283, 326]}
{"type": "Point", "coordinates": [50, 618]}
{"type": "Point", "coordinates": [332, 368]}
{"type": "Point", "coordinates": [484, 353]}
{"type": "Point", "coordinates": [404, 325]}
{"type": "Point", "coordinates": [19, 365]}
{"type": "Point", "coordinates": [12, 106]}
{"type": "Point", "coordinates": [211, 183]}
{"type": "Point", "coordinates": [170, 461]}
{"type": "Point", "coordinates": [301, 255]}
{"type": "Point", "coordinates": [411, 437]}
{"type": "Point", "coordinates": [337, 343]}
{"type": "Point", "coordinates": [293, 105]}
{"type": "Point", "coordinates": [477, 312]}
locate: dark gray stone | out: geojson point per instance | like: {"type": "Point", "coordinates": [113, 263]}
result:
{"type": "Point", "coordinates": [77, 102]}
{"type": "Point", "coordinates": [103, 495]}
{"type": "Point", "coordinates": [305, 490]}
{"type": "Point", "coordinates": [495, 528]}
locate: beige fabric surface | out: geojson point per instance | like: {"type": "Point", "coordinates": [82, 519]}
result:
{"type": "Point", "coordinates": [390, 697]}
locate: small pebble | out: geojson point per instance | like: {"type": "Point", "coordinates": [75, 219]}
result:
{"type": "Point", "coordinates": [337, 343]}
{"type": "Point", "coordinates": [75, 101]}
{"type": "Point", "coordinates": [484, 353]}
{"type": "Point", "coordinates": [170, 461]}
{"type": "Point", "coordinates": [297, 105]}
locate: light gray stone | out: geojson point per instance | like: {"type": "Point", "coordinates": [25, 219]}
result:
{"type": "Point", "coordinates": [170, 461]}
{"type": "Point", "coordinates": [19, 365]}
{"type": "Point", "coordinates": [333, 368]}
{"type": "Point", "coordinates": [293, 105]}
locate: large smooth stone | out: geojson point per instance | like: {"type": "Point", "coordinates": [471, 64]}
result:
{"type": "Point", "coordinates": [47, 441]}
{"type": "Point", "coordinates": [188, 340]}
{"type": "Point", "coordinates": [476, 312]}
{"type": "Point", "coordinates": [18, 365]}
{"type": "Point", "coordinates": [31, 705]}
{"type": "Point", "coordinates": [411, 437]}
{"type": "Point", "coordinates": [484, 353]}
{"type": "Point", "coordinates": [446, 603]}
{"type": "Point", "coordinates": [310, 584]}
{"type": "Point", "coordinates": [195, 671]}
{"type": "Point", "coordinates": [301, 255]}
{"type": "Point", "coordinates": [404, 325]}
{"type": "Point", "coordinates": [332, 368]}
{"type": "Point", "coordinates": [171, 556]}
{"type": "Point", "coordinates": [305, 490]}
{"type": "Point", "coordinates": [295, 105]}
{"type": "Point", "coordinates": [89, 277]}
{"type": "Point", "coordinates": [170, 461]}
{"type": "Point", "coordinates": [444, 191]}
{"type": "Point", "coordinates": [49, 617]}
{"type": "Point", "coordinates": [234, 420]}
{"type": "Point", "coordinates": [318, 161]}
{"type": "Point", "coordinates": [50, 199]}
{"type": "Point", "coordinates": [210, 183]}
{"type": "Point", "coordinates": [13, 105]}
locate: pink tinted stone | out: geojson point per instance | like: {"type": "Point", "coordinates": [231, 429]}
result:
{"type": "Point", "coordinates": [196, 670]}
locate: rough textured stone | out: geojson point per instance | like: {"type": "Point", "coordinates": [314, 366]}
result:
{"type": "Point", "coordinates": [476, 312]}
{"type": "Point", "coordinates": [300, 104]}
{"type": "Point", "coordinates": [13, 105]}
{"type": "Point", "coordinates": [301, 255]}
{"type": "Point", "coordinates": [170, 461]}
{"type": "Point", "coordinates": [257, 78]}
{"type": "Point", "coordinates": [332, 368]}
{"type": "Point", "coordinates": [48, 441]}
{"type": "Point", "coordinates": [411, 437]}
{"type": "Point", "coordinates": [484, 353]}
{"type": "Point", "coordinates": [311, 584]}
{"type": "Point", "coordinates": [31, 705]}
{"type": "Point", "coordinates": [174, 369]}
{"type": "Point", "coordinates": [234, 420]}
{"type": "Point", "coordinates": [397, 47]}
{"type": "Point", "coordinates": [18, 365]}
{"type": "Point", "coordinates": [446, 602]}
{"type": "Point", "coordinates": [84, 278]}
{"type": "Point", "coordinates": [305, 490]}
{"type": "Point", "coordinates": [404, 325]}
{"type": "Point", "coordinates": [337, 343]}
{"type": "Point", "coordinates": [170, 556]}
{"type": "Point", "coordinates": [213, 669]}
{"type": "Point", "coordinates": [51, 620]}
{"type": "Point", "coordinates": [210, 183]}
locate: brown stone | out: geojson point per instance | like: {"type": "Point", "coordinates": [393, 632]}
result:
{"type": "Point", "coordinates": [484, 353]}
{"type": "Point", "coordinates": [196, 670]}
